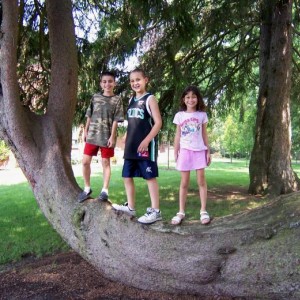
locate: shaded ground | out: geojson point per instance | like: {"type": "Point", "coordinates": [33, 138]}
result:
{"type": "Point", "coordinates": [68, 276]}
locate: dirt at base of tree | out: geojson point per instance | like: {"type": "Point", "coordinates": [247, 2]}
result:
{"type": "Point", "coordinates": [68, 276]}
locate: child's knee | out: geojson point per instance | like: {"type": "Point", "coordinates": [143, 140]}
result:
{"type": "Point", "coordinates": [202, 184]}
{"type": "Point", "coordinates": [86, 163]}
{"type": "Point", "coordinates": [105, 162]}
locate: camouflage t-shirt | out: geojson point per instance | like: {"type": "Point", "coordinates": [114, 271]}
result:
{"type": "Point", "coordinates": [103, 110]}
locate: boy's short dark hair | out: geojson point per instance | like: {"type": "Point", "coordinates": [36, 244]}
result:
{"type": "Point", "coordinates": [108, 73]}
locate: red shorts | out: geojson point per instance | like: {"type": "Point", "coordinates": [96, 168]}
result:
{"type": "Point", "coordinates": [92, 150]}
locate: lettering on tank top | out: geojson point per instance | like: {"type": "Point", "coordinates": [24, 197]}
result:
{"type": "Point", "coordinates": [136, 113]}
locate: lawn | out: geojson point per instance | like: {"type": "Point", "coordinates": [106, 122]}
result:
{"type": "Point", "coordinates": [25, 231]}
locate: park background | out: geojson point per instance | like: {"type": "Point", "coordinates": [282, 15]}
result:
{"type": "Point", "coordinates": [242, 54]}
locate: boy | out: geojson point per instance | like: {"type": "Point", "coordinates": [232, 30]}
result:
{"type": "Point", "coordinates": [100, 133]}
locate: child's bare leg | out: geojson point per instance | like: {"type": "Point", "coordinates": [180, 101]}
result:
{"type": "Point", "coordinates": [86, 169]}
{"type": "Point", "coordinates": [106, 172]}
{"type": "Point", "coordinates": [154, 192]}
{"type": "Point", "coordinates": [184, 185]}
{"type": "Point", "coordinates": [130, 191]}
{"type": "Point", "coordinates": [202, 188]}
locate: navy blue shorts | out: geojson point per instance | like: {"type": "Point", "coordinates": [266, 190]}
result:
{"type": "Point", "coordinates": [140, 168]}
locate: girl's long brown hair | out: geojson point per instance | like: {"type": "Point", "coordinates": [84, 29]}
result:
{"type": "Point", "coordinates": [200, 105]}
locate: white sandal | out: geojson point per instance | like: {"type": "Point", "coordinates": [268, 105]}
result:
{"type": "Point", "coordinates": [204, 217]}
{"type": "Point", "coordinates": [178, 218]}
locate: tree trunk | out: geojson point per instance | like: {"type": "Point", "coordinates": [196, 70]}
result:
{"type": "Point", "coordinates": [270, 164]}
{"type": "Point", "coordinates": [234, 256]}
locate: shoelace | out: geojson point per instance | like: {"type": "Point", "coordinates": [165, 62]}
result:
{"type": "Point", "coordinates": [149, 212]}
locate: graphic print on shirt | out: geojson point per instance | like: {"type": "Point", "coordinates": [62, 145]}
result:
{"type": "Point", "coordinates": [137, 112]}
{"type": "Point", "coordinates": [190, 126]}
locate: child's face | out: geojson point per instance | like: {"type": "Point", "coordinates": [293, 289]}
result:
{"type": "Point", "coordinates": [138, 82]}
{"type": "Point", "coordinates": [190, 100]}
{"type": "Point", "coordinates": [108, 84]}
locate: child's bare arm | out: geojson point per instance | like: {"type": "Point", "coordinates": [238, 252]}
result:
{"type": "Point", "coordinates": [205, 139]}
{"type": "Point", "coordinates": [86, 128]}
{"type": "Point", "coordinates": [112, 139]}
{"type": "Point", "coordinates": [177, 142]}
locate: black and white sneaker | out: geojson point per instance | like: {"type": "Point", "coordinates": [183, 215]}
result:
{"type": "Point", "coordinates": [84, 196]}
{"type": "Point", "coordinates": [150, 216]}
{"type": "Point", "coordinates": [125, 208]}
{"type": "Point", "coordinates": [103, 196]}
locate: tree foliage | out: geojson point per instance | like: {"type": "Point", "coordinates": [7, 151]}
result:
{"type": "Point", "coordinates": [212, 44]}
{"type": "Point", "coordinates": [164, 34]}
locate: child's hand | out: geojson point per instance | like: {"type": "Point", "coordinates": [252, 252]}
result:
{"type": "Point", "coordinates": [208, 158]}
{"type": "Point", "coordinates": [110, 143]}
{"type": "Point", "coordinates": [176, 153]}
{"type": "Point", "coordinates": [143, 147]}
{"type": "Point", "coordinates": [175, 156]}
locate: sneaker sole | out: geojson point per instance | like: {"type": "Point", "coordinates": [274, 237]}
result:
{"type": "Point", "coordinates": [103, 199]}
{"type": "Point", "coordinates": [123, 211]}
{"type": "Point", "coordinates": [149, 223]}
{"type": "Point", "coordinates": [83, 199]}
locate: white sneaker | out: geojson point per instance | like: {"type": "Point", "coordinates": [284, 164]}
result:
{"type": "Point", "coordinates": [125, 208]}
{"type": "Point", "coordinates": [150, 216]}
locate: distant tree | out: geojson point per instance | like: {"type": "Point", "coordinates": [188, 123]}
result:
{"type": "Point", "coordinates": [246, 134]}
{"type": "Point", "coordinates": [230, 138]}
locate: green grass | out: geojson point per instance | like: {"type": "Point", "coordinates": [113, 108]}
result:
{"type": "Point", "coordinates": [25, 231]}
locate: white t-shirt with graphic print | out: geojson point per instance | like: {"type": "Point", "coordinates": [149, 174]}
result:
{"type": "Point", "coordinates": [191, 129]}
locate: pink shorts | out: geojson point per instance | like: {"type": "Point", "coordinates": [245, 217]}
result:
{"type": "Point", "coordinates": [189, 160]}
{"type": "Point", "coordinates": [92, 150]}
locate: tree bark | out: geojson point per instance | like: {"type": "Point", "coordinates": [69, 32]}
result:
{"type": "Point", "coordinates": [255, 255]}
{"type": "Point", "coordinates": [270, 164]}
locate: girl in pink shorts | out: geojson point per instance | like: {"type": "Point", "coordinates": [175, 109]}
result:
{"type": "Point", "coordinates": [191, 149]}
